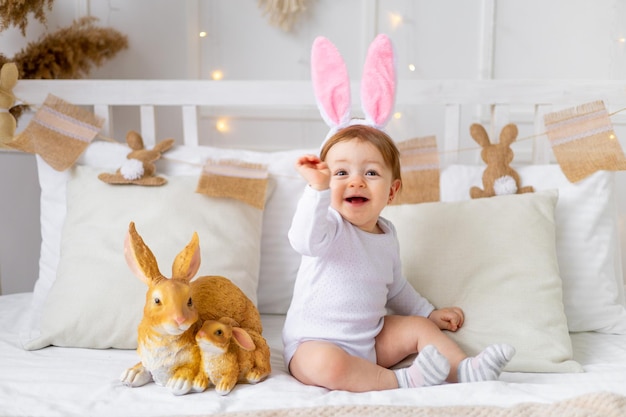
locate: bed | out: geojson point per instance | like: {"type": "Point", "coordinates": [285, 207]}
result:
{"type": "Point", "coordinates": [553, 270]}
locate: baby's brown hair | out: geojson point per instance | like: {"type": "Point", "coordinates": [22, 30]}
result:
{"type": "Point", "coordinates": [378, 138]}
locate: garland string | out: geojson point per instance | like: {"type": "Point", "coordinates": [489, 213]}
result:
{"type": "Point", "coordinates": [459, 150]}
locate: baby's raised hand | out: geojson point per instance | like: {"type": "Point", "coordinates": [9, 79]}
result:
{"type": "Point", "coordinates": [314, 171]}
{"type": "Point", "coordinates": [448, 318]}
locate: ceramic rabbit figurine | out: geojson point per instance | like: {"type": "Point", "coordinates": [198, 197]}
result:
{"type": "Point", "coordinates": [230, 354]}
{"type": "Point", "coordinates": [174, 310]}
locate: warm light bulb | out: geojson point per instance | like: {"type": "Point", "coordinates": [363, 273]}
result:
{"type": "Point", "coordinates": [395, 19]}
{"type": "Point", "coordinates": [202, 34]}
{"type": "Point", "coordinates": [622, 40]}
{"type": "Point", "coordinates": [411, 67]}
{"type": "Point", "coordinates": [217, 75]}
{"type": "Point", "coordinates": [221, 125]}
{"type": "Point", "coordinates": [397, 115]}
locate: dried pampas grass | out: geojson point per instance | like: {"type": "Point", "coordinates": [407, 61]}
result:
{"type": "Point", "coordinates": [283, 13]}
{"type": "Point", "coordinates": [15, 12]}
{"type": "Point", "coordinates": [70, 52]}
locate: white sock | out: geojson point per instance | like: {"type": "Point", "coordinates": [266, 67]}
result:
{"type": "Point", "coordinates": [487, 365]}
{"type": "Point", "coordinates": [429, 368]}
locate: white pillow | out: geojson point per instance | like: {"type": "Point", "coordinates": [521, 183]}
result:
{"type": "Point", "coordinates": [587, 240]}
{"type": "Point", "coordinates": [108, 156]}
{"type": "Point", "coordinates": [496, 259]}
{"type": "Point", "coordinates": [86, 297]}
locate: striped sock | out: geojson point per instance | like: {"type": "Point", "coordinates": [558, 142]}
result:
{"type": "Point", "coordinates": [429, 368]}
{"type": "Point", "coordinates": [487, 365]}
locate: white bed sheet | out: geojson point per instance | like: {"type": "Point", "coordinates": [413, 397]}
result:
{"type": "Point", "coordinates": [79, 382]}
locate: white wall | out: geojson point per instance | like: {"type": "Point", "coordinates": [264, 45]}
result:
{"type": "Point", "coordinates": [465, 39]}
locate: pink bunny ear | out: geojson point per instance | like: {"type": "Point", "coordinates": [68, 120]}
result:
{"type": "Point", "coordinates": [331, 83]}
{"type": "Point", "coordinates": [378, 85]}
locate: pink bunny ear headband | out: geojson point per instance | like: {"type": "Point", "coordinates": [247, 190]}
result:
{"type": "Point", "coordinates": [331, 84]}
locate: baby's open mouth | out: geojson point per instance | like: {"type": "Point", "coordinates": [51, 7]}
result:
{"type": "Point", "coordinates": [356, 199]}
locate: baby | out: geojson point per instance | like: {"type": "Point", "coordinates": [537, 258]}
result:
{"type": "Point", "coordinates": [339, 333]}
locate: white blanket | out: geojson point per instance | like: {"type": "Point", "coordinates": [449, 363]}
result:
{"type": "Point", "coordinates": [79, 382]}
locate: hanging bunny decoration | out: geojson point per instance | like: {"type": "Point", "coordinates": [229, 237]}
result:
{"type": "Point", "coordinates": [331, 84]}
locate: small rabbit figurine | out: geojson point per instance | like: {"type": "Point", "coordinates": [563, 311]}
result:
{"type": "Point", "coordinates": [230, 354]}
{"type": "Point", "coordinates": [8, 79]}
{"type": "Point", "coordinates": [174, 311]}
{"type": "Point", "coordinates": [498, 178]}
{"type": "Point", "coordinates": [139, 166]}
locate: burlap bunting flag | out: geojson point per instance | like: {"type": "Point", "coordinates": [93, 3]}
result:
{"type": "Point", "coordinates": [419, 160]}
{"type": "Point", "coordinates": [583, 141]}
{"type": "Point", "coordinates": [59, 132]}
{"type": "Point", "coordinates": [244, 181]}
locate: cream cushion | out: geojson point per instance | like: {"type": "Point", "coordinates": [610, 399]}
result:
{"type": "Point", "coordinates": [496, 259]}
{"type": "Point", "coordinates": [587, 242]}
{"type": "Point", "coordinates": [86, 296]}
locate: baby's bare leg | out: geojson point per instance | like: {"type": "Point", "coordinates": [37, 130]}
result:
{"type": "Point", "coordinates": [405, 335]}
{"type": "Point", "coordinates": [327, 365]}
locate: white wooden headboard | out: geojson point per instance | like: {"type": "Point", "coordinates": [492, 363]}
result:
{"type": "Point", "coordinates": [460, 102]}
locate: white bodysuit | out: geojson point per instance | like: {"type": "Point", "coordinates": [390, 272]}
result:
{"type": "Point", "coordinates": [346, 281]}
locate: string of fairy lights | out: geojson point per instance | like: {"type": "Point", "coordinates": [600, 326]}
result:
{"type": "Point", "coordinates": [397, 22]}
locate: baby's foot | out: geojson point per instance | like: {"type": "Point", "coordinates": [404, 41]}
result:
{"type": "Point", "coordinates": [429, 368]}
{"type": "Point", "coordinates": [487, 365]}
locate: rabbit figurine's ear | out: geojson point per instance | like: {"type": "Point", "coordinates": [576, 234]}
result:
{"type": "Point", "coordinates": [331, 83]}
{"type": "Point", "coordinates": [508, 134]}
{"type": "Point", "coordinates": [134, 140]}
{"type": "Point", "coordinates": [378, 85]}
{"type": "Point", "coordinates": [478, 132]}
{"type": "Point", "coordinates": [139, 257]}
{"type": "Point", "coordinates": [8, 76]}
{"type": "Point", "coordinates": [187, 262]}
{"type": "Point", "coordinates": [243, 339]}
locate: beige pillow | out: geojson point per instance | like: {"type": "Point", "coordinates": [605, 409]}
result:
{"type": "Point", "coordinates": [496, 259]}
{"type": "Point", "coordinates": [95, 301]}
{"type": "Point", "coordinates": [587, 240]}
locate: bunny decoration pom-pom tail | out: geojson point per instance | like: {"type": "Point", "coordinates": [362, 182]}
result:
{"type": "Point", "coordinates": [132, 169]}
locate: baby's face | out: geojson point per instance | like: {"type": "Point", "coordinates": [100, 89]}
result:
{"type": "Point", "coordinates": [361, 183]}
